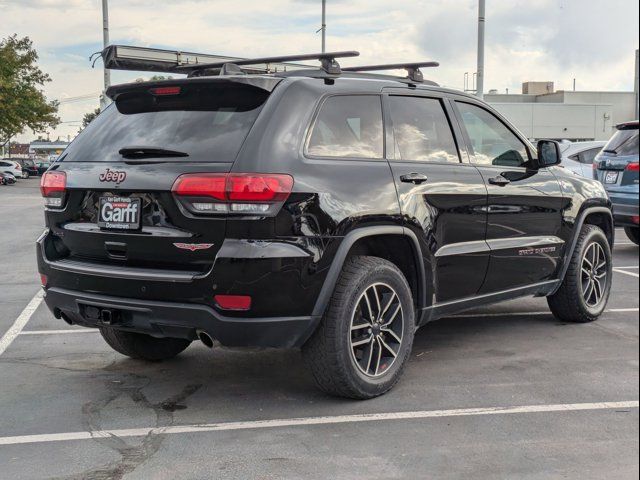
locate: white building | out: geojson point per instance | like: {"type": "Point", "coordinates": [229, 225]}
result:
{"type": "Point", "coordinates": [570, 115]}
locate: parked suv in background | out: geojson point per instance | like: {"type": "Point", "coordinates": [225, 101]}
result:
{"type": "Point", "coordinates": [617, 168]}
{"type": "Point", "coordinates": [332, 212]}
{"type": "Point", "coordinates": [7, 165]}
{"type": "Point", "coordinates": [578, 156]}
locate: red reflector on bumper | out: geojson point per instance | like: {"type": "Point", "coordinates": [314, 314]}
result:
{"type": "Point", "coordinates": [233, 302]}
{"type": "Point", "coordinates": [43, 280]}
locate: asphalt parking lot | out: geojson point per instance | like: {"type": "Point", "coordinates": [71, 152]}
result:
{"type": "Point", "coordinates": [500, 392]}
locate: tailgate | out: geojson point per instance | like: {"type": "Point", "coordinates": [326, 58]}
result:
{"type": "Point", "coordinates": [118, 208]}
{"type": "Point", "coordinates": [167, 237]}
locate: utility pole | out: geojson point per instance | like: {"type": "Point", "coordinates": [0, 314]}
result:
{"type": "Point", "coordinates": [480, 81]}
{"type": "Point", "coordinates": [104, 101]}
{"type": "Point", "coordinates": [636, 82]}
{"type": "Point", "coordinates": [324, 25]}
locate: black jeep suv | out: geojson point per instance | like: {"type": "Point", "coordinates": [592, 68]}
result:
{"type": "Point", "coordinates": [332, 211]}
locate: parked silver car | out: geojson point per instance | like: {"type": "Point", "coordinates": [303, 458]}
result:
{"type": "Point", "coordinates": [578, 156]}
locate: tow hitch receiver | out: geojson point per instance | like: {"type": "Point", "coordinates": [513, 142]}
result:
{"type": "Point", "coordinates": [107, 316]}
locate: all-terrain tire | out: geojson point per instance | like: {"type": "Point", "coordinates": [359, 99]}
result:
{"type": "Point", "coordinates": [568, 303]}
{"type": "Point", "coordinates": [632, 233]}
{"type": "Point", "coordinates": [329, 352]}
{"type": "Point", "coordinates": [141, 346]}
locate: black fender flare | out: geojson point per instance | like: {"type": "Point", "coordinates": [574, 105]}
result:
{"type": "Point", "coordinates": [343, 250]}
{"type": "Point", "coordinates": [574, 238]}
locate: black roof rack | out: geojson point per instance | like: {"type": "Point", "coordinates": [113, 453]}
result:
{"type": "Point", "coordinates": [413, 68]}
{"type": "Point", "coordinates": [328, 61]}
{"type": "Point", "coordinates": [127, 57]}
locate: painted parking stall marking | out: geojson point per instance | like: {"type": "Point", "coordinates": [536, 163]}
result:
{"type": "Point", "coordinates": [21, 321]}
{"type": "Point", "coordinates": [297, 422]}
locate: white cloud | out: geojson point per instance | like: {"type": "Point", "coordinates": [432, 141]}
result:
{"type": "Point", "coordinates": [593, 41]}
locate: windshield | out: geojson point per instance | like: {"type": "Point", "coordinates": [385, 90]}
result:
{"type": "Point", "coordinates": [207, 122]}
{"type": "Point", "coordinates": [623, 142]}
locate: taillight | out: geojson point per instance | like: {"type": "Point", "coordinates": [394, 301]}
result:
{"type": "Point", "coordinates": [53, 186]}
{"type": "Point", "coordinates": [165, 91]}
{"type": "Point", "coordinates": [235, 193]}
{"type": "Point", "coordinates": [633, 167]}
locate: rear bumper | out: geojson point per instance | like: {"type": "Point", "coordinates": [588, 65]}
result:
{"type": "Point", "coordinates": [625, 208]}
{"type": "Point", "coordinates": [179, 320]}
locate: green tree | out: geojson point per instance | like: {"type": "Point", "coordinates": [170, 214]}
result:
{"type": "Point", "coordinates": [88, 117]}
{"type": "Point", "coordinates": [22, 102]}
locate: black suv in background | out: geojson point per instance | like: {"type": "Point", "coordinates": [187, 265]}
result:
{"type": "Point", "coordinates": [336, 212]}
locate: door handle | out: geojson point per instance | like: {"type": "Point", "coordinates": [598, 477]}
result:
{"type": "Point", "coordinates": [500, 181]}
{"type": "Point", "coordinates": [415, 178]}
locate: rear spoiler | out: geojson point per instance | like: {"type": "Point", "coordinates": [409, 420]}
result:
{"type": "Point", "coordinates": [262, 82]}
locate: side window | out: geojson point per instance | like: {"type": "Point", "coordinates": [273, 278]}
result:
{"type": "Point", "coordinates": [348, 126]}
{"type": "Point", "coordinates": [493, 143]}
{"type": "Point", "coordinates": [588, 156]}
{"type": "Point", "coordinates": [421, 130]}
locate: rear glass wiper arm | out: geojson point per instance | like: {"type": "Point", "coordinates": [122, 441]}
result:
{"type": "Point", "coordinates": [149, 152]}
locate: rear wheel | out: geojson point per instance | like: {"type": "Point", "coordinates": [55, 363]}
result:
{"type": "Point", "coordinates": [365, 338]}
{"type": "Point", "coordinates": [584, 292]}
{"type": "Point", "coordinates": [141, 346]}
{"type": "Point", "coordinates": [25, 174]}
{"type": "Point", "coordinates": [632, 233]}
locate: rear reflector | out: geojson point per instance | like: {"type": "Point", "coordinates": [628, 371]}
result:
{"type": "Point", "coordinates": [238, 193]}
{"type": "Point", "coordinates": [165, 91]}
{"type": "Point", "coordinates": [53, 183]}
{"type": "Point", "coordinates": [633, 167]}
{"type": "Point", "coordinates": [43, 280]}
{"type": "Point", "coordinates": [233, 302]}
{"type": "Point", "coordinates": [635, 219]}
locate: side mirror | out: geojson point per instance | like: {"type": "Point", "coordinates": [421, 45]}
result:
{"type": "Point", "coordinates": [548, 153]}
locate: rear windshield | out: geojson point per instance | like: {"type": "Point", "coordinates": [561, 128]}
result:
{"type": "Point", "coordinates": [623, 142]}
{"type": "Point", "coordinates": [207, 122]}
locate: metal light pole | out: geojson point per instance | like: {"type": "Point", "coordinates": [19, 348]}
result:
{"type": "Point", "coordinates": [104, 101]}
{"type": "Point", "coordinates": [324, 25]}
{"type": "Point", "coordinates": [636, 85]}
{"type": "Point", "coordinates": [480, 81]}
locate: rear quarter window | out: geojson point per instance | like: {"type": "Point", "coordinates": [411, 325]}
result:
{"type": "Point", "coordinates": [348, 126]}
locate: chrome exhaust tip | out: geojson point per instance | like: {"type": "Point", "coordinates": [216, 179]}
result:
{"type": "Point", "coordinates": [205, 338]}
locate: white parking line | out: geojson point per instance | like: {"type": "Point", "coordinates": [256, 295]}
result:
{"type": "Point", "coordinates": [73, 331]}
{"type": "Point", "coordinates": [20, 322]}
{"type": "Point", "coordinates": [631, 274]}
{"type": "Point", "coordinates": [631, 267]}
{"type": "Point", "coordinates": [58, 332]}
{"type": "Point", "coordinates": [298, 422]}
{"type": "Point", "coordinates": [546, 312]}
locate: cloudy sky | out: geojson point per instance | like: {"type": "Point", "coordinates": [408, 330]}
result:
{"type": "Point", "coordinates": [590, 40]}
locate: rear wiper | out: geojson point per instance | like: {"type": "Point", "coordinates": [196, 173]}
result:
{"type": "Point", "coordinates": [149, 152]}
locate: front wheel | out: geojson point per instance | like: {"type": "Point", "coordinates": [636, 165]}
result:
{"type": "Point", "coordinates": [141, 346]}
{"type": "Point", "coordinates": [632, 233]}
{"type": "Point", "coordinates": [25, 175]}
{"type": "Point", "coordinates": [585, 290]}
{"type": "Point", "coordinates": [364, 340]}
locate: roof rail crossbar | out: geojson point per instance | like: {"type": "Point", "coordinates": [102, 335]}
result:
{"type": "Point", "coordinates": [328, 61]}
{"type": "Point", "coordinates": [413, 68]}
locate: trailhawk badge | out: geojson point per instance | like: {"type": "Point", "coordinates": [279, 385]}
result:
{"type": "Point", "coordinates": [193, 246]}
